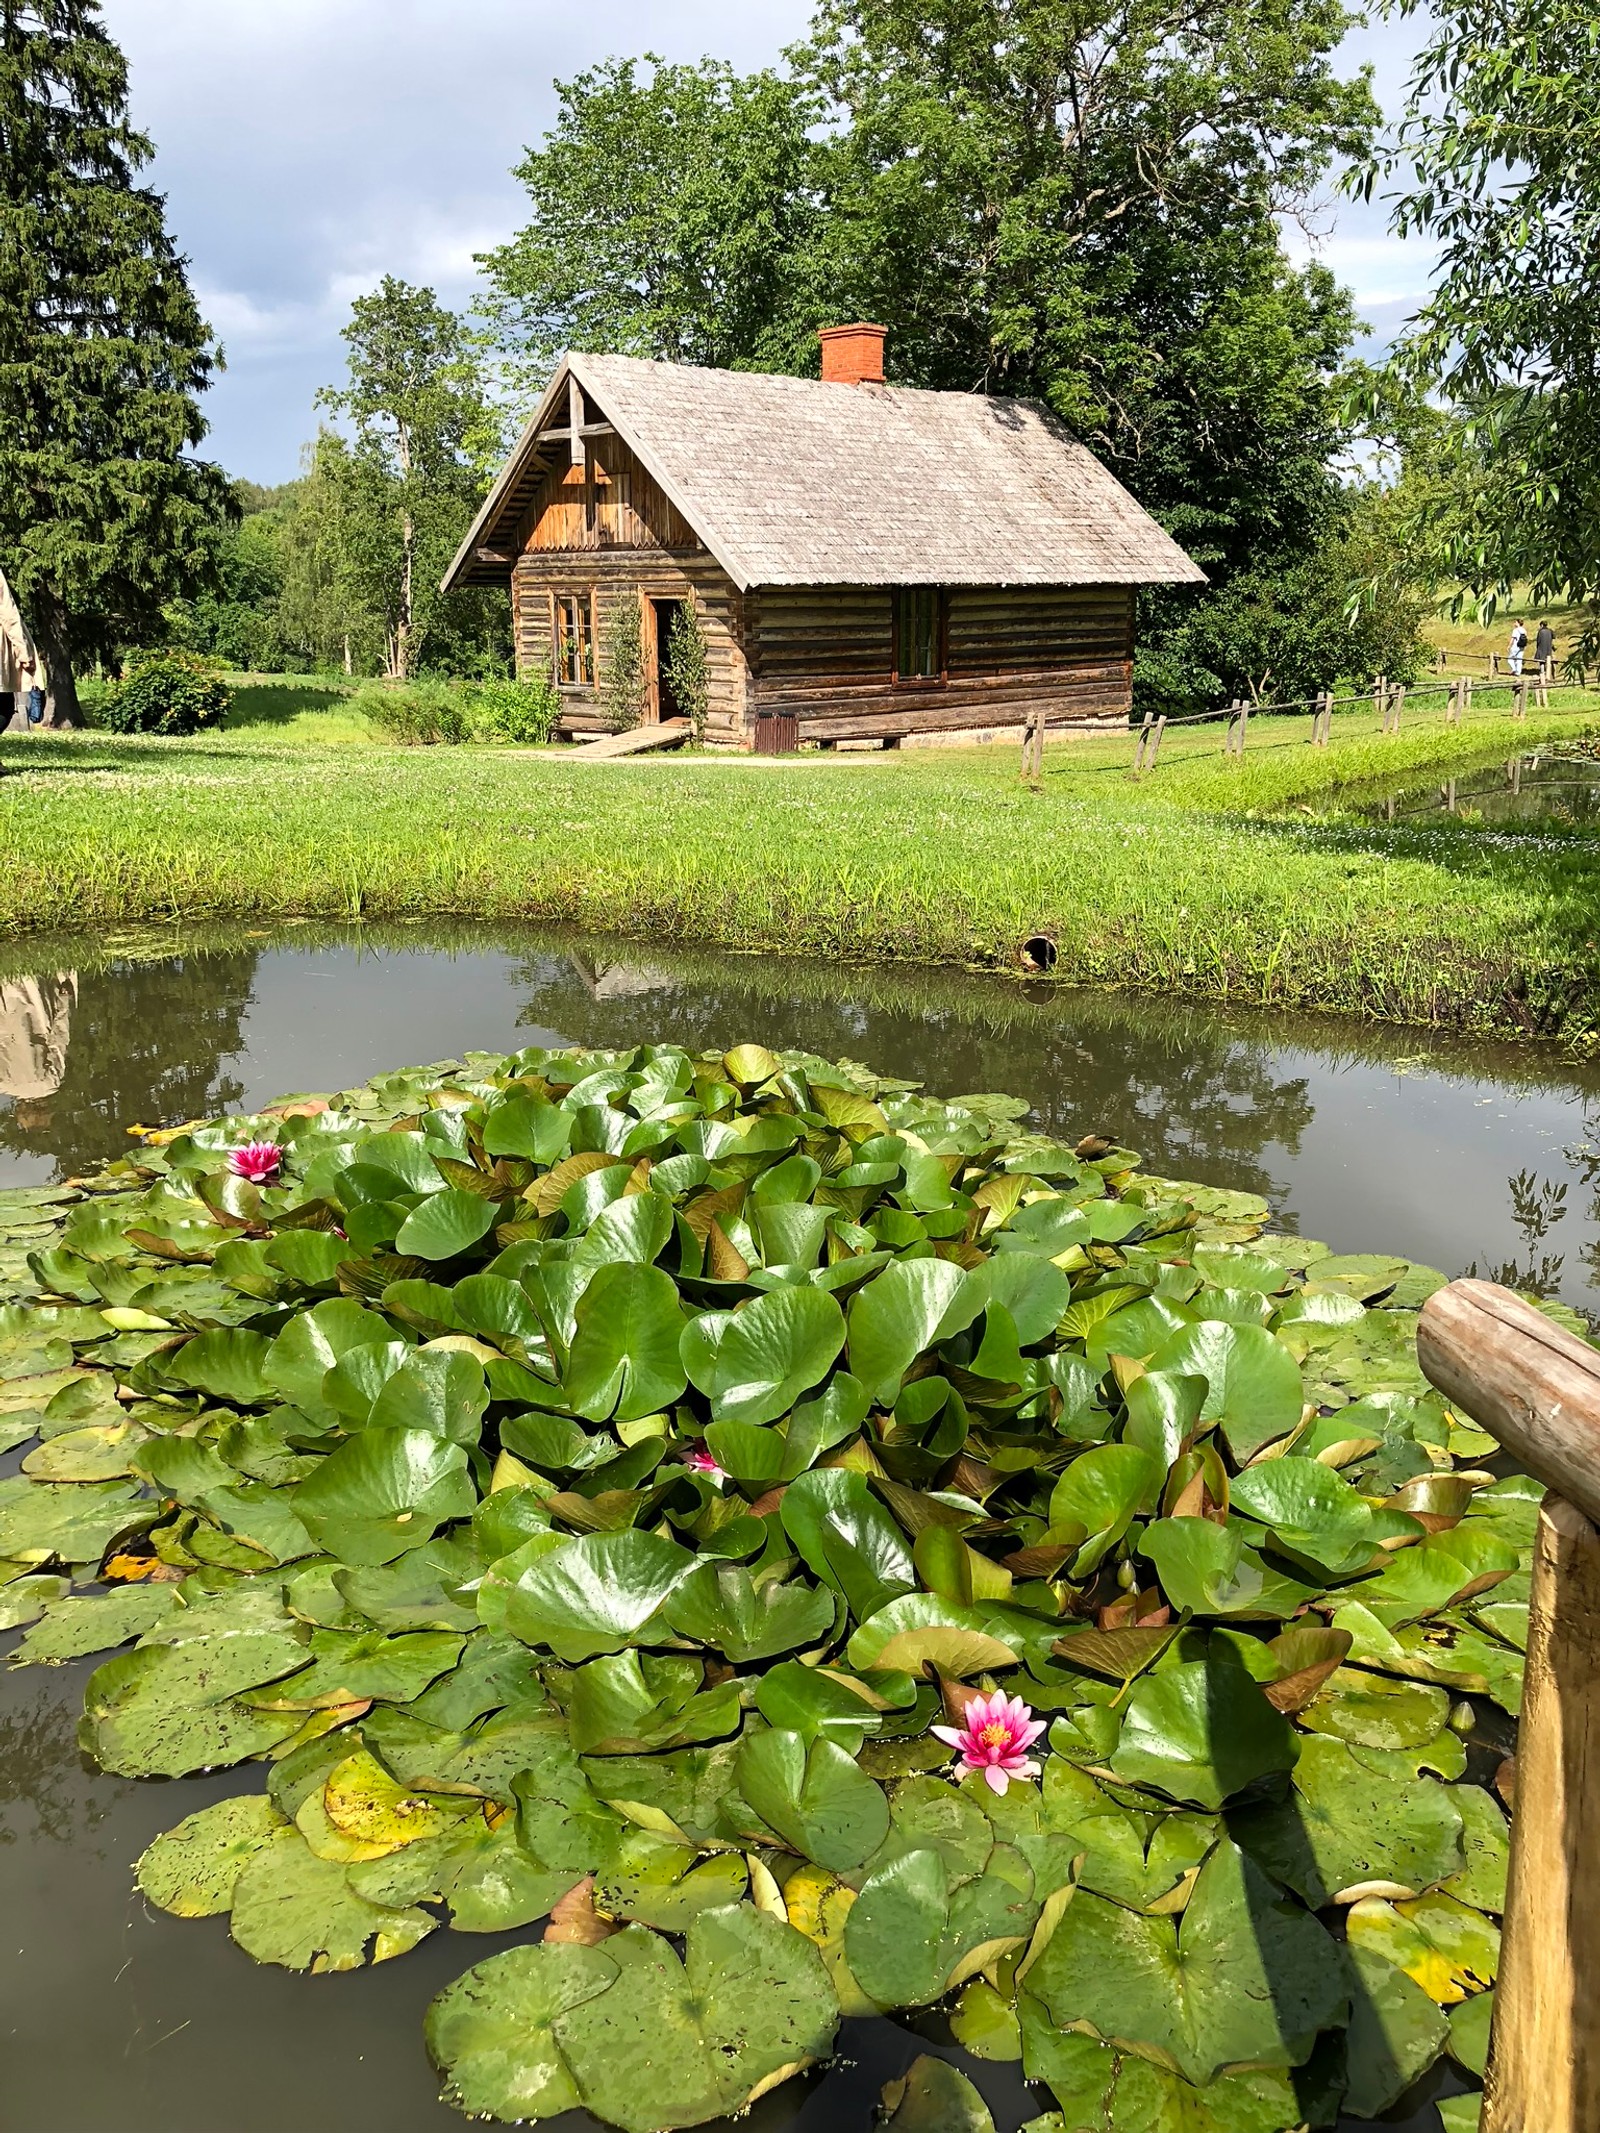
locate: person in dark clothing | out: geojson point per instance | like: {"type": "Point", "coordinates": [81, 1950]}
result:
{"type": "Point", "coordinates": [1544, 645]}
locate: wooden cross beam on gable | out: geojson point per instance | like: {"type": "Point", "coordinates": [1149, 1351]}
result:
{"type": "Point", "coordinates": [577, 433]}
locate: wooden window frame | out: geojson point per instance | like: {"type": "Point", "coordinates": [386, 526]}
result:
{"type": "Point", "coordinates": [559, 640]}
{"type": "Point", "coordinates": [941, 623]}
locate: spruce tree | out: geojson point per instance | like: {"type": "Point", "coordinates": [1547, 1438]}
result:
{"type": "Point", "coordinates": [104, 515]}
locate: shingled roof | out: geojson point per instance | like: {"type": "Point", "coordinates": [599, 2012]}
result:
{"type": "Point", "coordinates": [789, 481]}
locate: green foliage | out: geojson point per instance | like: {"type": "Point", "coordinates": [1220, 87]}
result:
{"type": "Point", "coordinates": [1498, 163]}
{"type": "Point", "coordinates": [104, 515]}
{"type": "Point", "coordinates": [684, 665]}
{"type": "Point", "coordinates": [622, 683]}
{"type": "Point", "coordinates": [1101, 193]}
{"type": "Point", "coordinates": [523, 712]}
{"type": "Point", "coordinates": [669, 208]}
{"type": "Point", "coordinates": [171, 692]}
{"type": "Point", "coordinates": [450, 1560]}
{"type": "Point", "coordinates": [402, 489]}
{"type": "Point", "coordinates": [418, 714]}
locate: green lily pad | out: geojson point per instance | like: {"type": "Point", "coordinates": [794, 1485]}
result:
{"type": "Point", "coordinates": [384, 1492]}
{"type": "Point", "coordinates": [1447, 1948]}
{"type": "Point", "coordinates": [447, 1224]}
{"type": "Point", "coordinates": [847, 1538]}
{"type": "Point", "coordinates": [674, 2044]}
{"type": "Point", "coordinates": [1201, 1733]}
{"type": "Point", "coordinates": [597, 1593]}
{"type": "Point", "coordinates": [1346, 1826]}
{"type": "Point", "coordinates": [753, 1364]}
{"type": "Point", "coordinates": [624, 1360]}
{"type": "Point", "coordinates": [94, 1622]}
{"type": "Point", "coordinates": [628, 1704]}
{"type": "Point", "coordinates": [1241, 1978]}
{"type": "Point", "coordinates": [935, 2097]}
{"type": "Point", "coordinates": [294, 1909]}
{"type": "Point", "coordinates": [814, 1796]}
{"type": "Point", "coordinates": [1254, 1390]}
{"type": "Point", "coordinates": [192, 1870]}
{"type": "Point", "coordinates": [721, 1605]}
{"type": "Point", "coordinates": [910, 1307]}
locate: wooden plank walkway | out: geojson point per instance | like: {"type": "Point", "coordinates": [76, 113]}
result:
{"type": "Point", "coordinates": [638, 740]}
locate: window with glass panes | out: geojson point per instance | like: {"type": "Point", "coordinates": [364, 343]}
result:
{"type": "Point", "coordinates": [574, 625]}
{"type": "Point", "coordinates": [919, 633]}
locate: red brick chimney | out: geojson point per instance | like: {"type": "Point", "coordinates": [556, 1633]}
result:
{"type": "Point", "coordinates": [852, 355]}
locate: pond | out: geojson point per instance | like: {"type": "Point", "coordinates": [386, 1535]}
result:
{"type": "Point", "coordinates": [1525, 792]}
{"type": "Point", "coordinates": [1459, 1156]}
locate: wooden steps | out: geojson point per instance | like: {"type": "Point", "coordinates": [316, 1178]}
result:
{"type": "Point", "coordinates": [638, 740]}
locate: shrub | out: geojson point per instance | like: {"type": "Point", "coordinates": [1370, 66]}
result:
{"type": "Point", "coordinates": [523, 712]}
{"type": "Point", "coordinates": [169, 692]}
{"type": "Point", "coordinates": [686, 666]}
{"type": "Point", "coordinates": [417, 714]}
{"type": "Point", "coordinates": [622, 678]}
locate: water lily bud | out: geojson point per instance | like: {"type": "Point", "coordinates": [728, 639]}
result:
{"type": "Point", "coordinates": [1127, 1576]}
{"type": "Point", "coordinates": [1462, 1717]}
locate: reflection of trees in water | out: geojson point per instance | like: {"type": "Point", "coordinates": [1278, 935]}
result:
{"type": "Point", "coordinates": [148, 1042]}
{"type": "Point", "coordinates": [1537, 1205]}
{"type": "Point", "coordinates": [1193, 1094]}
{"type": "Point", "coordinates": [41, 1770]}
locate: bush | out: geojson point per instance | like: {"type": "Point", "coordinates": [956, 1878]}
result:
{"type": "Point", "coordinates": [417, 714]}
{"type": "Point", "coordinates": [622, 688]}
{"type": "Point", "coordinates": [523, 712]}
{"type": "Point", "coordinates": [686, 666]}
{"type": "Point", "coordinates": [169, 692]}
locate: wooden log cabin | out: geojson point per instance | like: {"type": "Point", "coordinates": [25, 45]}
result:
{"type": "Point", "coordinates": [871, 565]}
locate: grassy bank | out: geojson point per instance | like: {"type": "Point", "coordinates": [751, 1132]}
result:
{"type": "Point", "coordinates": [1231, 881]}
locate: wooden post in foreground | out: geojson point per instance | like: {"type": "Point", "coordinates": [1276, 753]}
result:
{"type": "Point", "coordinates": [1537, 1389]}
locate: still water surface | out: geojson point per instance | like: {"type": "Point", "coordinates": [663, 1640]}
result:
{"type": "Point", "coordinates": [117, 2019]}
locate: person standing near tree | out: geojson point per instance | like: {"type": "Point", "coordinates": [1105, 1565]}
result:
{"type": "Point", "coordinates": [21, 674]}
{"type": "Point", "coordinates": [1518, 645]}
{"type": "Point", "coordinates": [1544, 645]}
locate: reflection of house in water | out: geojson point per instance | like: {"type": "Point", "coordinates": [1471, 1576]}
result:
{"type": "Point", "coordinates": [35, 1031]}
{"type": "Point", "coordinates": [618, 981]}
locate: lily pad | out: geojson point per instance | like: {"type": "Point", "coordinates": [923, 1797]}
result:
{"type": "Point", "coordinates": [192, 1870]}
{"type": "Point", "coordinates": [1201, 1733]}
{"type": "Point", "coordinates": [1241, 1978]}
{"type": "Point", "coordinates": [299, 1911]}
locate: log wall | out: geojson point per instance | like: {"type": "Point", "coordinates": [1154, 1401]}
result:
{"type": "Point", "coordinates": [606, 529]}
{"type": "Point", "coordinates": [825, 655]}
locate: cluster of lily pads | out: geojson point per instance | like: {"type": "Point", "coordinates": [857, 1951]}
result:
{"type": "Point", "coordinates": [818, 1549]}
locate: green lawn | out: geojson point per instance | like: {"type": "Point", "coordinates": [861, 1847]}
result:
{"type": "Point", "coordinates": [1239, 881]}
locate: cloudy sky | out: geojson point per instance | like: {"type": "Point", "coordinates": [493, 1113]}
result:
{"type": "Point", "coordinates": [309, 146]}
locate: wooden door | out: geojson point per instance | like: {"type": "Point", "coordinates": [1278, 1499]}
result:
{"type": "Point", "coordinates": [776, 733]}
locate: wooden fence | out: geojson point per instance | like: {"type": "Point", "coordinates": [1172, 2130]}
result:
{"type": "Point", "coordinates": [1388, 700]}
{"type": "Point", "coordinates": [1536, 1389]}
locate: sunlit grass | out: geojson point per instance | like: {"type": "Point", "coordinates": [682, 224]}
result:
{"type": "Point", "coordinates": [1208, 878]}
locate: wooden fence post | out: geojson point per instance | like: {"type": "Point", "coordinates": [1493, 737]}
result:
{"type": "Point", "coordinates": [1519, 697]}
{"type": "Point", "coordinates": [1380, 701]}
{"type": "Point", "coordinates": [1139, 744]}
{"type": "Point", "coordinates": [1546, 676]}
{"type": "Point", "coordinates": [1321, 715]}
{"type": "Point", "coordinates": [1030, 720]}
{"type": "Point", "coordinates": [1155, 741]}
{"type": "Point", "coordinates": [1537, 1390]}
{"type": "Point", "coordinates": [1466, 696]}
{"type": "Point", "coordinates": [1040, 723]}
{"type": "Point", "coordinates": [1397, 697]}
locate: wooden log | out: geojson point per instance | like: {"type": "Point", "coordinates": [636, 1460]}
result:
{"type": "Point", "coordinates": [1536, 1389]}
{"type": "Point", "coordinates": [1518, 1375]}
{"type": "Point", "coordinates": [1544, 2055]}
{"type": "Point", "coordinates": [1155, 741]}
{"type": "Point", "coordinates": [1139, 744]}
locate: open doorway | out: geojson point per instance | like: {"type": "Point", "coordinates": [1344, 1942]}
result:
{"type": "Point", "coordinates": [663, 696]}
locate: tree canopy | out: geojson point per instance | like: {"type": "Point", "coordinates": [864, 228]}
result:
{"type": "Point", "coordinates": [104, 512]}
{"type": "Point", "coordinates": [1057, 198]}
{"type": "Point", "coordinates": [1497, 161]}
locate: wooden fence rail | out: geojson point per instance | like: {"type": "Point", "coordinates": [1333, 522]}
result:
{"type": "Point", "coordinates": [1536, 1389]}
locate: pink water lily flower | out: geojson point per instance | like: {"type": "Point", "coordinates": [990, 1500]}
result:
{"type": "Point", "coordinates": [700, 1461]}
{"type": "Point", "coordinates": [259, 1162]}
{"type": "Point", "coordinates": [995, 1736]}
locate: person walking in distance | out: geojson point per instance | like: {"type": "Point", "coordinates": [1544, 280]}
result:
{"type": "Point", "coordinates": [21, 671]}
{"type": "Point", "coordinates": [1518, 645]}
{"type": "Point", "coordinates": [1544, 645]}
